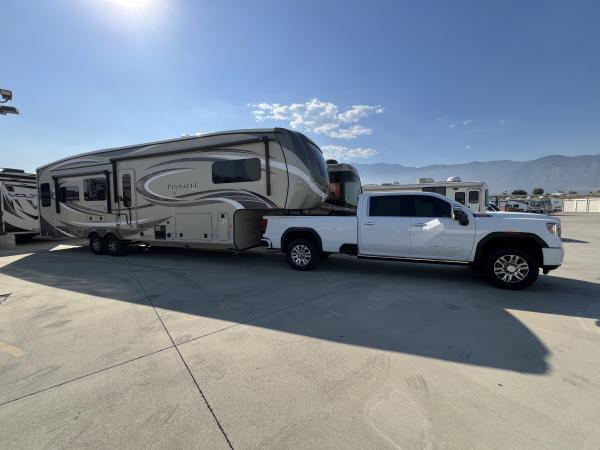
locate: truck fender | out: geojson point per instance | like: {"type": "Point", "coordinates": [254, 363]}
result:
{"type": "Point", "coordinates": [291, 234]}
{"type": "Point", "coordinates": [506, 235]}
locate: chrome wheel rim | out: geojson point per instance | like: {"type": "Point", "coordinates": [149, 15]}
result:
{"type": "Point", "coordinates": [511, 268]}
{"type": "Point", "coordinates": [112, 245]}
{"type": "Point", "coordinates": [301, 255]}
{"type": "Point", "coordinates": [96, 244]}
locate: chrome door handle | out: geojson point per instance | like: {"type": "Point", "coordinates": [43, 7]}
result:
{"type": "Point", "coordinates": [369, 223]}
{"type": "Point", "coordinates": [419, 224]}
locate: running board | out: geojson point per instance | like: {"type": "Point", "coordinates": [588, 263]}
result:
{"type": "Point", "coordinates": [417, 260]}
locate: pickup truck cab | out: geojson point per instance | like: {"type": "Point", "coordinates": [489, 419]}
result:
{"type": "Point", "coordinates": [510, 248]}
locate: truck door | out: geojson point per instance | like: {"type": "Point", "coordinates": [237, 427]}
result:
{"type": "Point", "coordinates": [127, 218]}
{"type": "Point", "coordinates": [435, 234]}
{"type": "Point", "coordinates": [384, 226]}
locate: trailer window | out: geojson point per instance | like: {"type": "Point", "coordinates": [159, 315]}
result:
{"type": "Point", "coordinates": [126, 185]}
{"type": "Point", "coordinates": [437, 189]}
{"type": "Point", "coordinates": [45, 195]}
{"type": "Point", "coordinates": [68, 193]}
{"type": "Point", "coordinates": [236, 171]}
{"type": "Point", "coordinates": [94, 189]}
{"type": "Point", "coordinates": [459, 197]}
{"type": "Point", "coordinates": [390, 206]}
{"type": "Point", "coordinates": [431, 207]}
{"type": "Point", "coordinates": [473, 196]}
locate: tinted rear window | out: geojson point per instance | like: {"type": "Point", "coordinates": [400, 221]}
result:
{"type": "Point", "coordinates": [390, 206]}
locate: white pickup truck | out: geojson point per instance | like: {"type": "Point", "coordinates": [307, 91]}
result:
{"type": "Point", "coordinates": [510, 248]}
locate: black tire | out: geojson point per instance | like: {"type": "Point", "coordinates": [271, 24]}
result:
{"type": "Point", "coordinates": [115, 246]}
{"type": "Point", "coordinates": [302, 254]}
{"type": "Point", "coordinates": [97, 245]}
{"type": "Point", "coordinates": [511, 268]}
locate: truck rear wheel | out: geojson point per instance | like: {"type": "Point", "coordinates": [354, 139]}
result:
{"type": "Point", "coordinates": [511, 268]}
{"type": "Point", "coordinates": [97, 245]}
{"type": "Point", "coordinates": [302, 254]}
{"type": "Point", "coordinates": [115, 246]}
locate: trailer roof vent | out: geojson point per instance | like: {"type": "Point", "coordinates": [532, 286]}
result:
{"type": "Point", "coordinates": [331, 161]}
{"type": "Point", "coordinates": [454, 179]}
{"type": "Point", "coordinates": [425, 180]}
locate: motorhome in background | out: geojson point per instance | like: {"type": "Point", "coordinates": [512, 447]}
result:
{"type": "Point", "coordinates": [557, 204]}
{"type": "Point", "coordinates": [473, 194]}
{"type": "Point", "coordinates": [513, 205]}
{"type": "Point", "coordinates": [540, 205]}
{"type": "Point", "coordinates": [344, 187]}
{"type": "Point", "coordinates": [19, 213]}
{"type": "Point", "coordinates": [205, 191]}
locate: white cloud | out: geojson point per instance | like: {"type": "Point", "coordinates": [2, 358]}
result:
{"type": "Point", "coordinates": [319, 117]}
{"type": "Point", "coordinates": [341, 153]}
{"type": "Point", "coordinates": [502, 121]}
{"type": "Point", "coordinates": [452, 125]}
{"type": "Point", "coordinates": [468, 147]}
{"type": "Point", "coordinates": [466, 122]}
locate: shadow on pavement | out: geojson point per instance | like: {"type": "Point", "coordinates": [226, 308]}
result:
{"type": "Point", "coordinates": [442, 312]}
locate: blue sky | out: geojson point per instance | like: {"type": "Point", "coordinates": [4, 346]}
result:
{"type": "Point", "coordinates": [414, 83]}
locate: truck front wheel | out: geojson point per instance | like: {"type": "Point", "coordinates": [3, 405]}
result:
{"type": "Point", "coordinates": [302, 254]}
{"type": "Point", "coordinates": [511, 268]}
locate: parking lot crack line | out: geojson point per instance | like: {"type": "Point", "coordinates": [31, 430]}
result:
{"type": "Point", "coordinates": [137, 358]}
{"type": "Point", "coordinates": [180, 355]}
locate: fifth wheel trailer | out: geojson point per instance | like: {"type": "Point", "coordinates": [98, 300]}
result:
{"type": "Point", "coordinates": [18, 203]}
{"type": "Point", "coordinates": [209, 191]}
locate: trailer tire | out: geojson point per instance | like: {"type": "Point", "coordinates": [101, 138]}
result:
{"type": "Point", "coordinates": [511, 268]}
{"type": "Point", "coordinates": [302, 254]}
{"type": "Point", "coordinates": [115, 246]}
{"type": "Point", "coordinates": [97, 244]}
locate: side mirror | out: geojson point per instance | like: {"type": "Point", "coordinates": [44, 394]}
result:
{"type": "Point", "coordinates": [459, 214]}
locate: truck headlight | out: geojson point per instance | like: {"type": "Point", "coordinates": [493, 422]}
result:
{"type": "Point", "coordinates": [553, 228]}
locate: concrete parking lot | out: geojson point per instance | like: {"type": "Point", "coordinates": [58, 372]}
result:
{"type": "Point", "coordinates": [178, 348]}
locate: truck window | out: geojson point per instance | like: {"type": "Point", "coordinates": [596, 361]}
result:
{"type": "Point", "coordinates": [94, 189]}
{"type": "Point", "coordinates": [459, 197]}
{"type": "Point", "coordinates": [431, 207]}
{"type": "Point", "coordinates": [45, 195]}
{"type": "Point", "coordinates": [236, 171]}
{"type": "Point", "coordinates": [390, 206]}
{"type": "Point", "coordinates": [473, 196]}
{"type": "Point", "coordinates": [68, 193]}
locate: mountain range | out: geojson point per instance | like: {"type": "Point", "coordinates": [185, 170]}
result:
{"type": "Point", "coordinates": [553, 173]}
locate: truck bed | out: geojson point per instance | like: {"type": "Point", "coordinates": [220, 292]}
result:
{"type": "Point", "coordinates": [333, 230]}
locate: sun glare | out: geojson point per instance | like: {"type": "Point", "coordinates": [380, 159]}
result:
{"type": "Point", "coordinates": [132, 4]}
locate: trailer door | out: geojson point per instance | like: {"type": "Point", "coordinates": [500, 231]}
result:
{"type": "Point", "coordinates": [127, 218]}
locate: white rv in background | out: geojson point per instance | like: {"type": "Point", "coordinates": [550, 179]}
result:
{"type": "Point", "coordinates": [18, 203]}
{"type": "Point", "coordinates": [473, 194]}
{"type": "Point", "coordinates": [202, 191]}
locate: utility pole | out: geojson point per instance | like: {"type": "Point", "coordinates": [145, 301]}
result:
{"type": "Point", "coordinates": [7, 96]}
